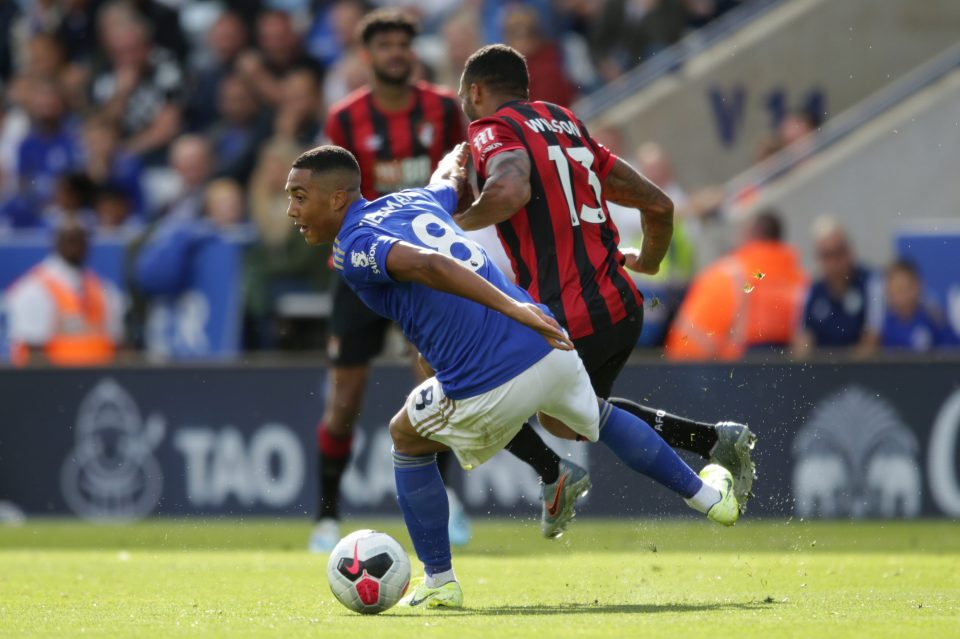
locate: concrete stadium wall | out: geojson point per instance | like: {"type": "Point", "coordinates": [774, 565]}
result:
{"type": "Point", "coordinates": [898, 167]}
{"type": "Point", "coordinates": [714, 112]}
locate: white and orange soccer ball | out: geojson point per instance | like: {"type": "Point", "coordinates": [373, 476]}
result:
{"type": "Point", "coordinates": [368, 571]}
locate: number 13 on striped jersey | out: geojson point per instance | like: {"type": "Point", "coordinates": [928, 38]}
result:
{"type": "Point", "coordinates": [582, 155]}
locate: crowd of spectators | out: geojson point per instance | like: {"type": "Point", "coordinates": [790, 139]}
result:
{"type": "Point", "coordinates": [167, 123]}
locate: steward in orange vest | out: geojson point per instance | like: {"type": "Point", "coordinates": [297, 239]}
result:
{"type": "Point", "coordinates": [751, 298]}
{"type": "Point", "coordinates": [80, 334]}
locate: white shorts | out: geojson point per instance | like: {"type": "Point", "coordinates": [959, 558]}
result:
{"type": "Point", "coordinates": [476, 428]}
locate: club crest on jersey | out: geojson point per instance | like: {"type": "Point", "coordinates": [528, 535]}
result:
{"type": "Point", "coordinates": [374, 142]}
{"type": "Point", "coordinates": [359, 259]}
{"type": "Point", "coordinates": [425, 133]}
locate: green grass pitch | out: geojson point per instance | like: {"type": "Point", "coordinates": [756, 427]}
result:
{"type": "Point", "coordinates": [690, 579]}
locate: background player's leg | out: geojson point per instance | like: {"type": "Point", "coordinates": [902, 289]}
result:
{"type": "Point", "coordinates": [357, 336]}
{"type": "Point", "coordinates": [345, 388]}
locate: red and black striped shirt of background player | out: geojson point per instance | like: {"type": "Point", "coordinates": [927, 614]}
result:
{"type": "Point", "coordinates": [576, 270]}
{"type": "Point", "coordinates": [397, 150]}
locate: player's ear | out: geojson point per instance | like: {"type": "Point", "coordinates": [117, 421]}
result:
{"type": "Point", "coordinates": [476, 92]}
{"type": "Point", "coordinates": [338, 198]}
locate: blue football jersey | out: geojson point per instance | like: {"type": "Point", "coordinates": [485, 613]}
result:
{"type": "Point", "coordinates": [841, 322]}
{"type": "Point", "coordinates": [472, 348]}
{"type": "Point", "coordinates": [921, 333]}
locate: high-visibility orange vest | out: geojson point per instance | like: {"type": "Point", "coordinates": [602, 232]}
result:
{"type": "Point", "coordinates": [80, 335]}
{"type": "Point", "coordinates": [750, 298]}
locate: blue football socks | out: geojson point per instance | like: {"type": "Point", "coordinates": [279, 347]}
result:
{"type": "Point", "coordinates": [642, 449]}
{"type": "Point", "coordinates": [423, 501]}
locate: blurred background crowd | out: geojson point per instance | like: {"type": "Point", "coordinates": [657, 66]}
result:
{"type": "Point", "coordinates": [160, 127]}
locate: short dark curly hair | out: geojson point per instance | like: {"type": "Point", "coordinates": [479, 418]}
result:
{"type": "Point", "coordinates": [384, 21]}
{"type": "Point", "coordinates": [500, 68]}
{"type": "Point", "coordinates": [328, 157]}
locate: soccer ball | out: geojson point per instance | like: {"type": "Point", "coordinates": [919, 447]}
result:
{"type": "Point", "coordinates": [368, 571]}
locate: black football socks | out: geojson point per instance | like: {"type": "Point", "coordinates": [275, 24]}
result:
{"type": "Point", "coordinates": [333, 456]}
{"type": "Point", "coordinates": [679, 432]}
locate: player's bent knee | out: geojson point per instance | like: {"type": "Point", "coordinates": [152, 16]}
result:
{"type": "Point", "coordinates": [408, 441]}
{"type": "Point", "coordinates": [402, 433]}
{"type": "Point", "coordinates": [555, 427]}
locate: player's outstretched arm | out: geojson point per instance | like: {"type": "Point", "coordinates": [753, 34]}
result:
{"type": "Point", "coordinates": [506, 191]}
{"type": "Point", "coordinates": [628, 187]}
{"type": "Point", "coordinates": [408, 263]}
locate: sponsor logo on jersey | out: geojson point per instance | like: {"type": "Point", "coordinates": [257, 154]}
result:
{"type": "Point", "coordinates": [372, 257]}
{"type": "Point", "coordinates": [396, 175]}
{"type": "Point", "coordinates": [482, 138]}
{"type": "Point", "coordinates": [485, 151]}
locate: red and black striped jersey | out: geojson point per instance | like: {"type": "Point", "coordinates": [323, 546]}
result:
{"type": "Point", "coordinates": [396, 149]}
{"type": "Point", "coordinates": [563, 244]}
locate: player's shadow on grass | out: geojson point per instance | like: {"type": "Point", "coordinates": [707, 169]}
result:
{"type": "Point", "coordinates": [586, 609]}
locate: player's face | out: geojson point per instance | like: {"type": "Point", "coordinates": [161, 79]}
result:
{"type": "Point", "coordinates": [391, 57]}
{"type": "Point", "coordinates": [835, 259]}
{"type": "Point", "coordinates": [467, 100]}
{"type": "Point", "coordinates": [310, 207]}
{"type": "Point", "coordinates": [903, 292]}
